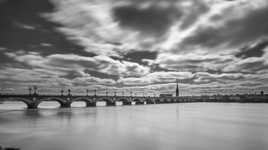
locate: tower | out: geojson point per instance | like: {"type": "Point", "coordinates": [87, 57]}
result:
{"type": "Point", "coordinates": [177, 88]}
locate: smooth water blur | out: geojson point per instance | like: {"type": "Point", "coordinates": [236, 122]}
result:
{"type": "Point", "coordinates": [192, 126]}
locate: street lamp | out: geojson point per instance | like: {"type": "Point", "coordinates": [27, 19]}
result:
{"type": "Point", "coordinates": [69, 92]}
{"type": "Point", "coordinates": [35, 90]}
{"type": "Point", "coordinates": [61, 91]}
{"type": "Point", "coordinates": [30, 91]}
{"type": "Point", "coordinates": [87, 92]}
{"type": "Point", "coordinates": [95, 92]}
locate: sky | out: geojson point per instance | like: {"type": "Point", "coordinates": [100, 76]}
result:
{"type": "Point", "coordinates": [143, 46]}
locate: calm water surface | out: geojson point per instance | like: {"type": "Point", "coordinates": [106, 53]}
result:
{"type": "Point", "coordinates": [192, 126]}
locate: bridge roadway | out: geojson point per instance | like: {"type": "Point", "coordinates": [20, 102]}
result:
{"type": "Point", "coordinates": [32, 101]}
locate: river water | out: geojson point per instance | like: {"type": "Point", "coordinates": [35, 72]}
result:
{"type": "Point", "coordinates": [189, 126]}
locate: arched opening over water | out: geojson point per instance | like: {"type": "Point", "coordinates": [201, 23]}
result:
{"type": "Point", "coordinates": [49, 104]}
{"type": "Point", "coordinates": [101, 103]}
{"type": "Point", "coordinates": [119, 103]}
{"type": "Point", "coordinates": [79, 104]}
{"type": "Point", "coordinates": [13, 105]}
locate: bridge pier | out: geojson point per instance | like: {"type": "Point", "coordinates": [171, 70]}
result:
{"type": "Point", "coordinates": [139, 103]}
{"type": "Point", "coordinates": [157, 101]}
{"type": "Point", "coordinates": [110, 103]}
{"type": "Point", "coordinates": [65, 105]}
{"type": "Point", "coordinates": [32, 105]}
{"type": "Point", "coordinates": [91, 104]}
{"type": "Point", "coordinates": [150, 102]}
{"type": "Point", "coordinates": [127, 103]}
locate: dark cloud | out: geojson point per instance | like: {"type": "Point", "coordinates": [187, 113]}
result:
{"type": "Point", "coordinates": [157, 67]}
{"type": "Point", "coordinates": [71, 63]}
{"type": "Point", "coordinates": [234, 32]}
{"type": "Point", "coordinates": [23, 27]}
{"type": "Point", "coordinates": [72, 75]}
{"type": "Point", "coordinates": [138, 56]}
{"type": "Point", "coordinates": [151, 20]}
{"type": "Point", "coordinates": [256, 50]}
{"type": "Point", "coordinates": [101, 75]}
{"type": "Point", "coordinates": [4, 60]}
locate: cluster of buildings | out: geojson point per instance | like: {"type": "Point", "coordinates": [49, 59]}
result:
{"type": "Point", "coordinates": [241, 98]}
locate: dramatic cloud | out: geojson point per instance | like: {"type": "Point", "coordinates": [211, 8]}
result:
{"type": "Point", "coordinates": [211, 46]}
{"type": "Point", "coordinates": [236, 31]}
{"type": "Point", "coordinates": [151, 20]}
{"type": "Point", "coordinates": [255, 50]}
{"type": "Point", "coordinates": [22, 27]}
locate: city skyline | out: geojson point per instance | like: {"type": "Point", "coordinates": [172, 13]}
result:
{"type": "Point", "coordinates": [210, 46]}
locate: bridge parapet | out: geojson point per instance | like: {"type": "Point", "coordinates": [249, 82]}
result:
{"type": "Point", "coordinates": [32, 101]}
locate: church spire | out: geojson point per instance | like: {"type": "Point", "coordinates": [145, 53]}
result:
{"type": "Point", "coordinates": [177, 88]}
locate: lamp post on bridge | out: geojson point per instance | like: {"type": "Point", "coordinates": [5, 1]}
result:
{"type": "Point", "coordinates": [35, 90]}
{"type": "Point", "coordinates": [61, 92]}
{"type": "Point", "coordinates": [69, 92]}
{"type": "Point", "coordinates": [30, 91]}
{"type": "Point", "coordinates": [95, 92]}
{"type": "Point", "coordinates": [87, 91]}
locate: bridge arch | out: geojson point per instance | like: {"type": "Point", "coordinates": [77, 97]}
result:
{"type": "Point", "coordinates": [30, 103]}
{"type": "Point", "coordinates": [138, 101]}
{"type": "Point", "coordinates": [64, 103]}
{"type": "Point", "coordinates": [166, 100]}
{"type": "Point", "coordinates": [88, 101]}
{"type": "Point", "coordinates": [125, 101]}
{"type": "Point", "coordinates": [150, 101]}
{"type": "Point", "coordinates": [109, 101]}
{"type": "Point", "coordinates": [24, 100]}
{"type": "Point", "coordinates": [157, 100]}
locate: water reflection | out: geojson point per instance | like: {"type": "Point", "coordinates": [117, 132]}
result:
{"type": "Point", "coordinates": [196, 126]}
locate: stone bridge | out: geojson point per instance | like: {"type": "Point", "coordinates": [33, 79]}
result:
{"type": "Point", "coordinates": [32, 101]}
